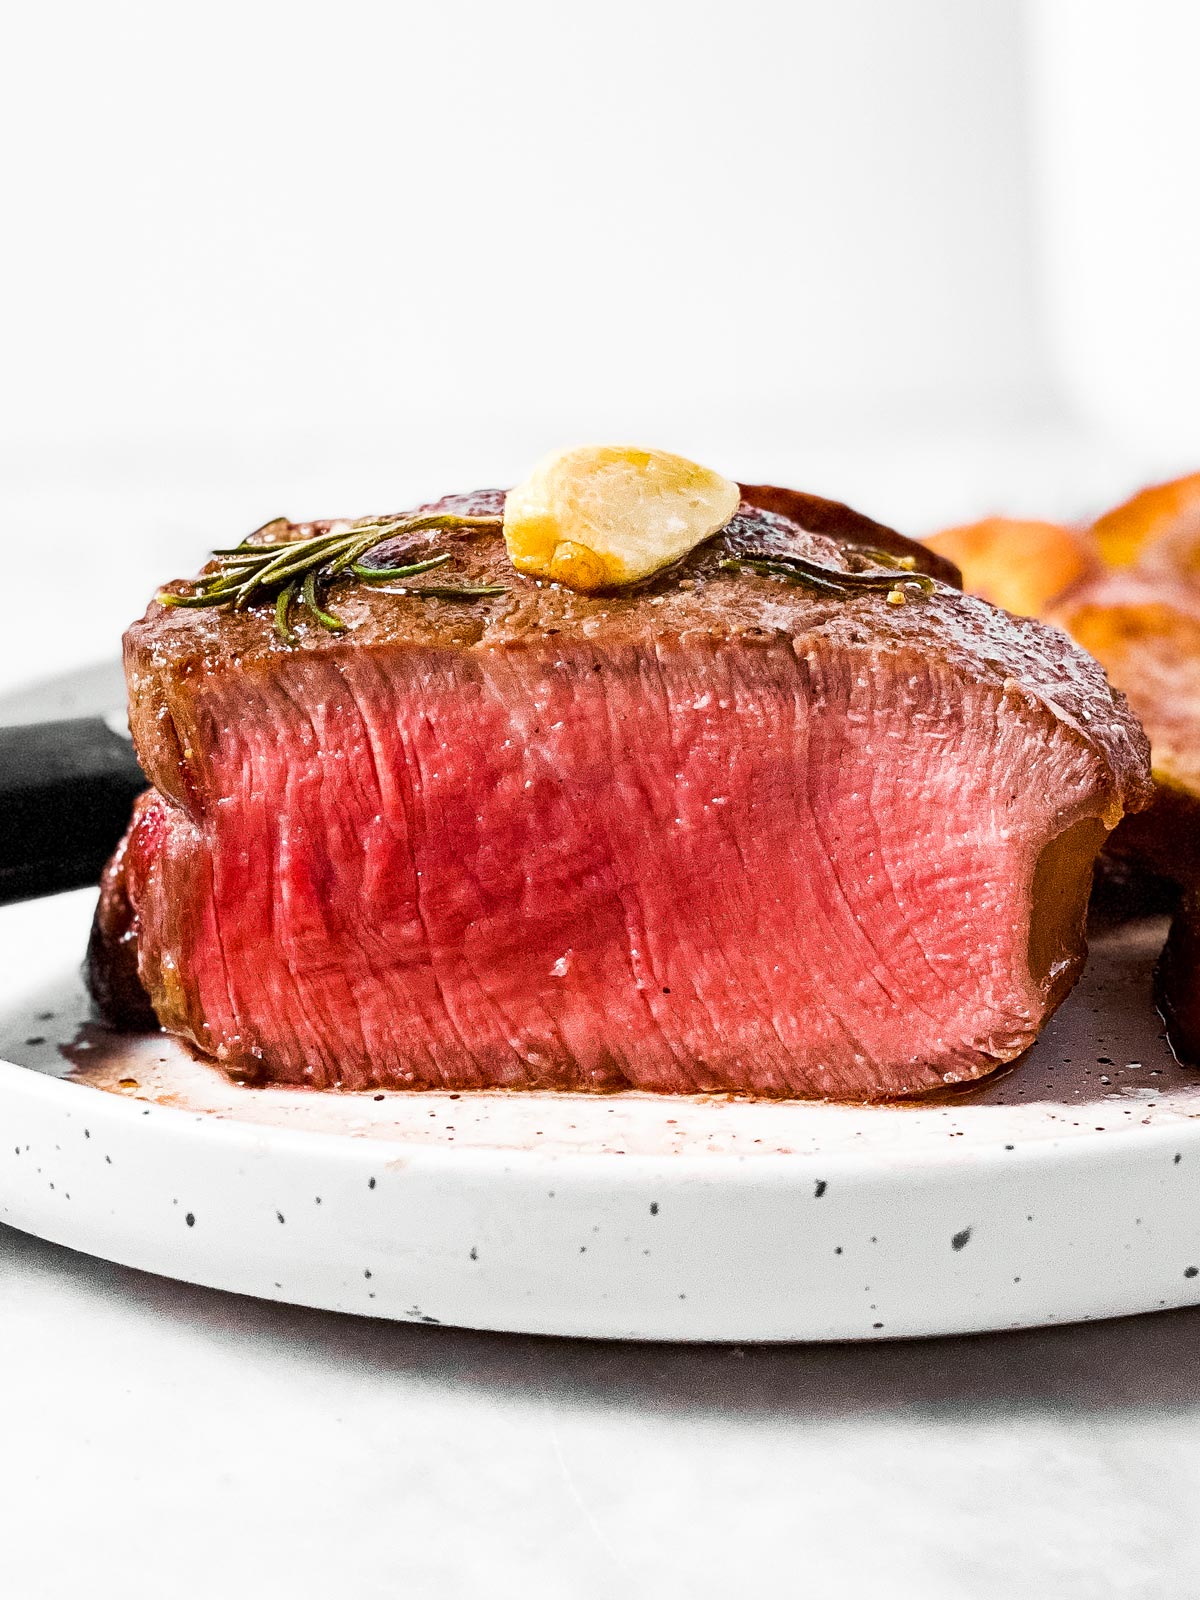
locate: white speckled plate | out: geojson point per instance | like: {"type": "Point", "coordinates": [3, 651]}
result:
{"type": "Point", "coordinates": [1068, 1189]}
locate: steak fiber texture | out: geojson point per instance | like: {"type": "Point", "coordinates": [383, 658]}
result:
{"type": "Point", "coordinates": [718, 833]}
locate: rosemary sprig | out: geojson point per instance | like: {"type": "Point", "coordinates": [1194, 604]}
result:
{"type": "Point", "coordinates": [298, 574]}
{"type": "Point", "coordinates": [830, 580]}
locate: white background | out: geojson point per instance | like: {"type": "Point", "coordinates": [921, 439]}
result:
{"type": "Point", "coordinates": [931, 256]}
{"type": "Point", "coordinates": [256, 220]}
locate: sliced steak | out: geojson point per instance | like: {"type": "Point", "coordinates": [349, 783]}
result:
{"type": "Point", "coordinates": [718, 833]}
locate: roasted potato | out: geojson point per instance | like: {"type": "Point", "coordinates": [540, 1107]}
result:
{"type": "Point", "coordinates": [1127, 535]}
{"type": "Point", "coordinates": [1021, 566]}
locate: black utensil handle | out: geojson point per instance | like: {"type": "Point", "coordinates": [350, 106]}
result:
{"type": "Point", "coordinates": [66, 791]}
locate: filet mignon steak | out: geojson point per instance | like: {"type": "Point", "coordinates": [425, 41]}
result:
{"type": "Point", "coordinates": [718, 833]}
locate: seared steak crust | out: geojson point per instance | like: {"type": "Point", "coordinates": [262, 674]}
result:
{"type": "Point", "coordinates": [715, 833]}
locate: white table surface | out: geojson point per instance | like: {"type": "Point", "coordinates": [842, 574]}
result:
{"type": "Point", "coordinates": [158, 1440]}
{"type": "Point", "coordinates": [197, 1444]}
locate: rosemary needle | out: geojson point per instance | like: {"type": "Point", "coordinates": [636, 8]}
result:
{"type": "Point", "coordinates": [308, 594]}
{"type": "Point", "coordinates": [829, 580]}
{"type": "Point", "coordinates": [283, 607]}
{"type": "Point", "coordinates": [388, 574]}
{"type": "Point", "coordinates": [295, 574]}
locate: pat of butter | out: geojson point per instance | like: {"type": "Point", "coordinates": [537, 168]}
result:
{"type": "Point", "coordinates": [604, 516]}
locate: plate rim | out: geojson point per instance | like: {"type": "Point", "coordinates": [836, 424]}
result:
{"type": "Point", "coordinates": [1084, 1146]}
